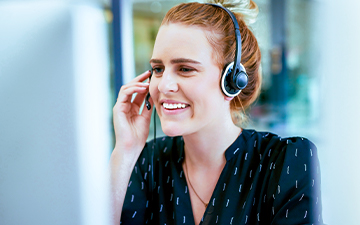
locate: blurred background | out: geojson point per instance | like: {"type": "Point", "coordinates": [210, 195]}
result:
{"type": "Point", "coordinates": [62, 64]}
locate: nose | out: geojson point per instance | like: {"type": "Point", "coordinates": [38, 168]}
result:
{"type": "Point", "coordinates": [168, 83]}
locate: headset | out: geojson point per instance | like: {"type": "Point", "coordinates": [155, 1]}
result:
{"type": "Point", "coordinates": [234, 77]}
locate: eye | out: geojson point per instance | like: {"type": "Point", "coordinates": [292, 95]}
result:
{"type": "Point", "coordinates": [157, 70]}
{"type": "Point", "coordinates": [186, 70]}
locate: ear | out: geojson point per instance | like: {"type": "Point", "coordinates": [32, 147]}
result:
{"type": "Point", "coordinates": [228, 98]}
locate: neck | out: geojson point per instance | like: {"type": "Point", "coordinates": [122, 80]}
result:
{"type": "Point", "coordinates": [206, 149]}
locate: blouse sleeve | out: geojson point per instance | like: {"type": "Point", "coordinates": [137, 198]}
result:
{"type": "Point", "coordinates": [297, 198]}
{"type": "Point", "coordinates": [136, 203]}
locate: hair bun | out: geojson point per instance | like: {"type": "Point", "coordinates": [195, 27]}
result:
{"type": "Point", "coordinates": [247, 8]}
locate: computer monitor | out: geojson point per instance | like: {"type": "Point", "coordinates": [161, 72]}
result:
{"type": "Point", "coordinates": [55, 113]}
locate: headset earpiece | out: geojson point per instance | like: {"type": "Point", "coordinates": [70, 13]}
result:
{"type": "Point", "coordinates": [231, 86]}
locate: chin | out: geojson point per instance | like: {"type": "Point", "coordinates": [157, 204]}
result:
{"type": "Point", "coordinates": [173, 129]}
{"type": "Point", "coordinates": [171, 132]}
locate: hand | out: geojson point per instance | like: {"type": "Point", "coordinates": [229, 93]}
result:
{"type": "Point", "coordinates": [132, 128]}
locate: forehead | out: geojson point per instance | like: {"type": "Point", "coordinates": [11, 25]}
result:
{"type": "Point", "coordinates": [176, 40]}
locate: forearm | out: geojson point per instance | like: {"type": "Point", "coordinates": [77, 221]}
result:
{"type": "Point", "coordinates": [120, 172]}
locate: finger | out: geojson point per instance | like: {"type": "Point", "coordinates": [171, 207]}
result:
{"type": "Point", "coordinates": [126, 93]}
{"type": "Point", "coordinates": [138, 80]}
{"type": "Point", "coordinates": [142, 77]}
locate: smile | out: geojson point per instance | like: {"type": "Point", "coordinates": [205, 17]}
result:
{"type": "Point", "coordinates": [174, 105]}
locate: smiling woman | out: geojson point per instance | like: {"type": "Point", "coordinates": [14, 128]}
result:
{"type": "Point", "coordinates": [207, 169]}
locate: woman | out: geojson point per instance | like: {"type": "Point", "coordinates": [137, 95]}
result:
{"type": "Point", "coordinates": [208, 169]}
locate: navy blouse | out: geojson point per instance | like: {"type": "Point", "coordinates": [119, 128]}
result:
{"type": "Point", "coordinates": [266, 180]}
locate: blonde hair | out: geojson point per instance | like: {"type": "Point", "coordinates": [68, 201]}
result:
{"type": "Point", "coordinates": [222, 39]}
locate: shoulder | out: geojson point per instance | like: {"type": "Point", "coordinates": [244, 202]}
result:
{"type": "Point", "coordinates": [274, 146]}
{"type": "Point", "coordinates": [281, 157]}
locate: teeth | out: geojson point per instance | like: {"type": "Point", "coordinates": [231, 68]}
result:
{"type": "Point", "coordinates": [174, 106]}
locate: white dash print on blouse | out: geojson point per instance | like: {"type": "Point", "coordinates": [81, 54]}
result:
{"type": "Point", "coordinates": [224, 186]}
{"type": "Point", "coordinates": [133, 216]}
{"type": "Point", "coordinates": [250, 173]}
{"type": "Point", "coordinates": [184, 219]}
{"type": "Point", "coordinates": [214, 202]}
{"type": "Point", "coordinates": [165, 149]}
{"type": "Point", "coordinates": [246, 218]}
{"type": "Point", "coordinates": [217, 218]}
{"type": "Point", "coordinates": [177, 201]}
{"type": "Point", "coordinates": [240, 187]}
{"type": "Point", "coordinates": [171, 197]}
{"type": "Point", "coordinates": [143, 161]}
{"type": "Point", "coordinates": [295, 152]}
{"type": "Point", "coordinates": [310, 152]}
{"type": "Point", "coordinates": [301, 197]}
{"type": "Point", "coordinates": [258, 217]}
{"type": "Point", "coordinates": [278, 189]}
{"type": "Point", "coordinates": [287, 211]}
{"type": "Point", "coordinates": [236, 151]}
{"type": "Point", "coordinates": [130, 183]}
{"type": "Point", "coordinates": [296, 184]}
{"type": "Point", "coordinates": [181, 174]}
{"type": "Point", "coordinates": [231, 220]}
{"type": "Point", "coordinates": [255, 144]}
{"type": "Point", "coordinates": [260, 167]}
{"type": "Point", "coordinates": [186, 189]}
{"type": "Point", "coordinates": [305, 214]}
{"type": "Point", "coordinates": [161, 207]}
{"type": "Point", "coordinates": [227, 203]}
{"type": "Point", "coordinates": [235, 170]}
{"type": "Point", "coordinates": [269, 153]}
{"type": "Point", "coordinates": [246, 156]}
{"type": "Point", "coordinates": [132, 198]}
{"type": "Point", "coordinates": [288, 170]}
{"type": "Point", "coordinates": [313, 183]}
{"type": "Point", "coordinates": [166, 164]}
{"type": "Point", "coordinates": [305, 167]}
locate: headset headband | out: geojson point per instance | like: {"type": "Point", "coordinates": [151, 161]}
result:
{"type": "Point", "coordinates": [236, 67]}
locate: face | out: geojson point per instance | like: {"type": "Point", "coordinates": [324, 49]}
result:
{"type": "Point", "coordinates": [185, 82]}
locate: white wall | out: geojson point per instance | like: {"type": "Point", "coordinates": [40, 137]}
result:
{"type": "Point", "coordinates": [54, 113]}
{"type": "Point", "coordinates": [340, 156]}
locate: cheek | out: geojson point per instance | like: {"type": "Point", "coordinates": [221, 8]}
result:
{"type": "Point", "coordinates": [153, 88]}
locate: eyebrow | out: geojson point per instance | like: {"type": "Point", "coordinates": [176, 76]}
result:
{"type": "Point", "coordinates": [174, 61]}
